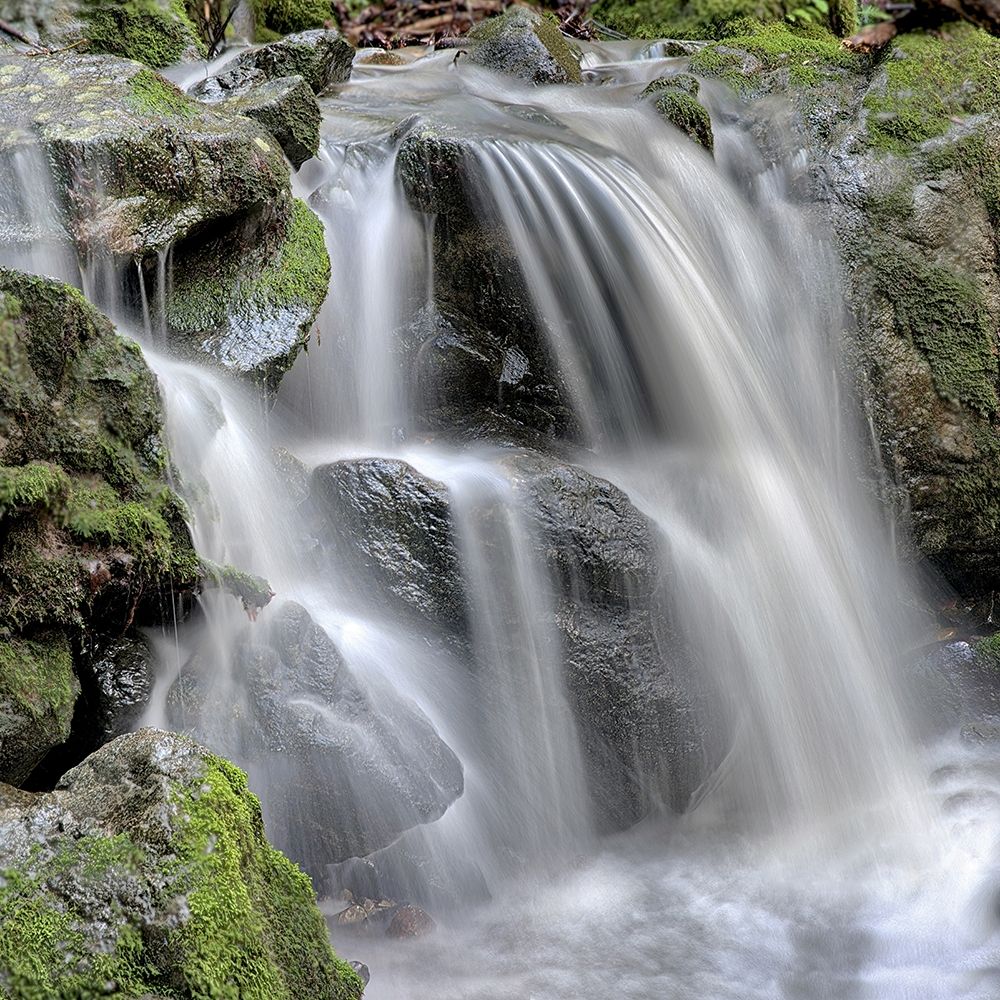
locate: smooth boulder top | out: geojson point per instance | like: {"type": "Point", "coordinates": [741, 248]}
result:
{"type": "Point", "coordinates": [523, 43]}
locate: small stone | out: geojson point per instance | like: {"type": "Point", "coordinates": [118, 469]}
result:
{"type": "Point", "coordinates": [354, 914]}
{"type": "Point", "coordinates": [362, 970]}
{"type": "Point", "coordinates": [410, 922]}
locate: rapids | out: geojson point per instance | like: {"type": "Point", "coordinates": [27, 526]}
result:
{"type": "Point", "coordinates": [831, 851]}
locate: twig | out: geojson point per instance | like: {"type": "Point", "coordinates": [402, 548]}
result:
{"type": "Point", "coordinates": [9, 29]}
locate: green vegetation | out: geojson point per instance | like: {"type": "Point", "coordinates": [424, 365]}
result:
{"type": "Point", "coordinates": [929, 82]}
{"type": "Point", "coordinates": [282, 17]}
{"type": "Point", "coordinates": [676, 100]}
{"type": "Point", "coordinates": [254, 931]}
{"type": "Point", "coordinates": [149, 93]}
{"type": "Point", "coordinates": [806, 55]}
{"type": "Point", "coordinates": [156, 32]}
{"type": "Point", "coordinates": [253, 591]}
{"type": "Point", "coordinates": [943, 312]}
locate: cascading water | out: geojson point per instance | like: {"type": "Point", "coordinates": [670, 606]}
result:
{"type": "Point", "coordinates": [439, 729]}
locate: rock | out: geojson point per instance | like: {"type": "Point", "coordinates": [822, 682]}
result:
{"type": "Point", "coordinates": [38, 691]}
{"type": "Point", "coordinates": [636, 709]}
{"type": "Point", "coordinates": [363, 971]}
{"type": "Point", "coordinates": [287, 108]}
{"type": "Point", "coordinates": [156, 32]}
{"type": "Point", "coordinates": [676, 101]}
{"type": "Point", "coordinates": [120, 678]}
{"type": "Point", "coordinates": [286, 16]}
{"type": "Point", "coordinates": [352, 915]}
{"type": "Point", "coordinates": [396, 524]}
{"type": "Point", "coordinates": [621, 660]}
{"type": "Point", "coordinates": [482, 365]}
{"type": "Point", "coordinates": [410, 922]}
{"type": "Point", "coordinates": [166, 175]}
{"type": "Point", "coordinates": [321, 58]}
{"type": "Point", "coordinates": [523, 43]}
{"type": "Point", "coordinates": [902, 155]}
{"type": "Point", "coordinates": [344, 767]}
{"type": "Point", "coordinates": [148, 868]}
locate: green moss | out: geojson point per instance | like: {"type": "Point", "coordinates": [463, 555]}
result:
{"type": "Point", "coordinates": [150, 31]}
{"type": "Point", "coordinates": [44, 952]}
{"type": "Point", "coordinates": [989, 649]}
{"type": "Point", "coordinates": [253, 591]}
{"type": "Point", "coordinates": [38, 674]}
{"type": "Point", "coordinates": [806, 56]}
{"type": "Point", "coordinates": [254, 931]}
{"type": "Point", "coordinates": [679, 106]}
{"type": "Point", "coordinates": [149, 93]}
{"type": "Point", "coordinates": [37, 484]}
{"type": "Point", "coordinates": [944, 314]}
{"type": "Point", "coordinates": [282, 17]}
{"type": "Point", "coordinates": [931, 80]}
{"type": "Point", "coordinates": [676, 19]}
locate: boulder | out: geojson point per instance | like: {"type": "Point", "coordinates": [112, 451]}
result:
{"type": "Point", "coordinates": [321, 58]}
{"type": "Point", "coordinates": [676, 101]}
{"type": "Point", "coordinates": [902, 155]}
{"type": "Point", "coordinates": [119, 677]}
{"type": "Point", "coordinates": [480, 361]}
{"type": "Point", "coordinates": [38, 691]}
{"type": "Point", "coordinates": [344, 767]}
{"type": "Point", "coordinates": [525, 44]}
{"type": "Point", "coordinates": [147, 872]}
{"type": "Point", "coordinates": [173, 184]}
{"type": "Point", "coordinates": [395, 524]}
{"type": "Point", "coordinates": [286, 16]}
{"type": "Point", "coordinates": [637, 713]}
{"type": "Point", "coordinates": [156, 32]}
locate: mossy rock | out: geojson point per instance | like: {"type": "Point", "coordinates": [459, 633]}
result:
{"type": "Point", "coordinates": [526, 44]}
{"type": "Point", "coordinates": [676, 101]}
{"type": "Point", "coordinates": [147, 165]}
{"type": "Point", "coordinates": [155, 32]}
{"type": "Point", "coordinates": [283, 17]}
{"type": "Point", "coordinates": [252, 311]}
{"type": "Point", "coordinates": [710, 19]}
{"type": "Point", "coordinates": [38, 691]}
{"type": "Point", "coordinates": [148, 871]}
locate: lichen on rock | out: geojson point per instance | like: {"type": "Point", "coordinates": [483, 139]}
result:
{"type": "Point", "coordinates": [147, 871]}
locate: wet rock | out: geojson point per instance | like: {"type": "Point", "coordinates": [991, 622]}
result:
{"type": "Point", "coordinates": [363, 971]}
{"type": "Point", "coordinates": [322, 58]}
{"type": "Point", "coordinates": [38, 691]}
{"type": "Point", "coordinates": [287, 108]}
{"type": "Point", "coordinates": [635, 705]}
{"type": "Point", "coordinates": [481, 361]}
{"type": "Point", "coordinates": [676, 101]}
{"type": "Point", "coordinates": [410, 922]}
{"type": "Point", "coordinates": [352, 915]}
{"type": "Point", "coordinates": [119, 875]}
{"type": "Point", "coordinates": [122, 673]}
{"type": "Point", "coordinates": [156, 32]}
{"type": "Point", "coordinates": [344, 767]}
{"type": "Point", "coordinates": [526, 44]}
{"type": "Point", "coordinates": [154, 173]}
{"type": "Point", "coordinates": [396, 524]}
{"type": "Point", "coordinates": [900, 152]}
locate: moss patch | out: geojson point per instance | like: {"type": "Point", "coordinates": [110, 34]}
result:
{"type": "Point", "coordinates": [931, 80]}
{"type": "Point", "coordinates": [282, 17]}
{"type": "Point", "coordinates": [150, 93]}
{"type": "Point", "coordinates": [156, 32]}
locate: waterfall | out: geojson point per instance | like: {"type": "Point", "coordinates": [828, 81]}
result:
{"type": "Point", "coordinates": [581, 607]}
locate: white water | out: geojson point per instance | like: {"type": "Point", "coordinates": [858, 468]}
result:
{"type": "Point", "coordinates": [694, 327]}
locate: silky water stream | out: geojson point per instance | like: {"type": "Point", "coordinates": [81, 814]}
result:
{"type": "Point", "coordinates": [421, 707]}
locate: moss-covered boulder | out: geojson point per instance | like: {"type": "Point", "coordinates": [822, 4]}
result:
{"type": "Point", "coordinates": [676, 101]}
{"type": "Point", "coordinates": [147, 872]}
{"type": "Point", "coordinates": [91, 537]}
{"type": "Point", "coordinates": [710, 19]}
{"type": "Point", "coordinates": [143, 172]}
{"type": "Point", "coordinates": [526, 44]}
{"type": "Point", "coordinates": [155, 32]}
{"type": "Point", "coordinates": [283, 17]}
{"type": "Point", "coordinates": [904, 154]}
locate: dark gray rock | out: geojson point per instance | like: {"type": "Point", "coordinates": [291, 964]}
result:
{"type": "Point", "coordinates": [526, 44]}
{"type": "Point", "coordinates": [288, 109]}
{"type": "Point", "coordinates": [396, 524]}
{"type": "Point", "coordinates": [342, 767]}
{"type": "Point", "coordinates": [122, 674]}
{"type": "Point", "coordinates": [322, 57]}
